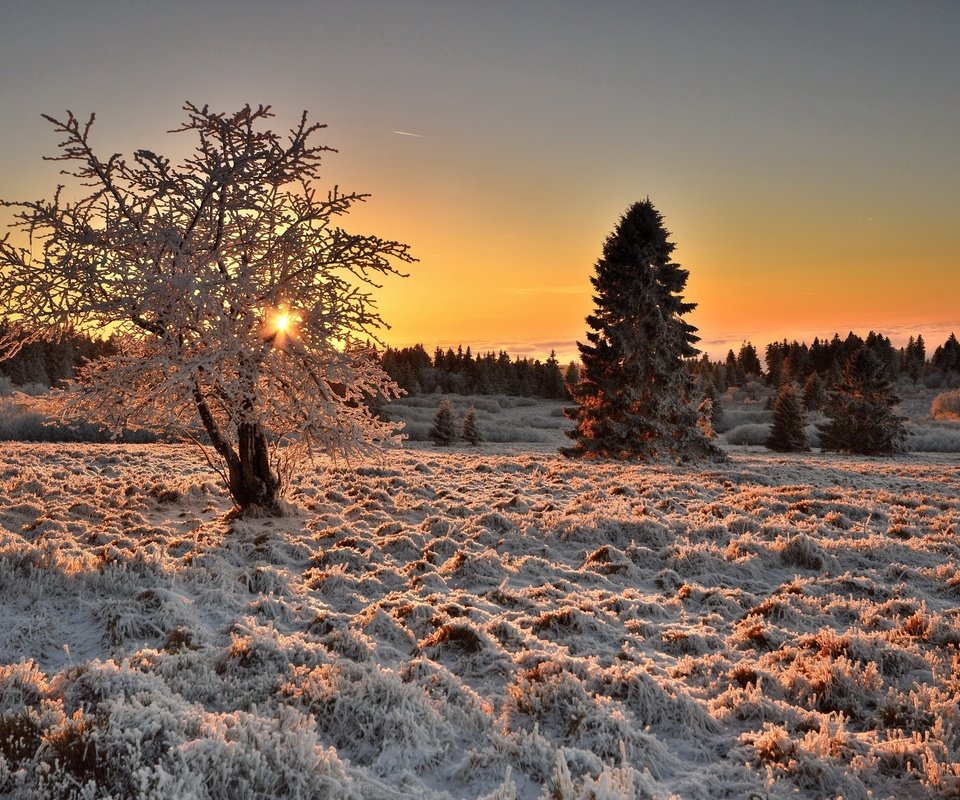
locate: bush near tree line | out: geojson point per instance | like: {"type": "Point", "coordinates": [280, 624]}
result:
{"type": "Point", "coordinates": [946, 405]}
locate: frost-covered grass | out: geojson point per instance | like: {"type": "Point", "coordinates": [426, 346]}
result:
{"type": "Point", "coordinates": [495, 624]}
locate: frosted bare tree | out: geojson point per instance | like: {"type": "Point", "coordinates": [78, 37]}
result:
{"type": "Point", "coordinates": [234, 297]}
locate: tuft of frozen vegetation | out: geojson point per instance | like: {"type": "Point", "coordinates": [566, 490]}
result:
{"type": "Point", "coordinates": [501, 623]}
{"type": "Point", "coordinates": [946, 405]}
{"type": "Point", "coordinates": [934, 437]}
{"type": "Point", "coordinates": [749, 433]}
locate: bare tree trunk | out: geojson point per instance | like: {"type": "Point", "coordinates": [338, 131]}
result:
{"type": "Point", "coordinates": [252, 483]}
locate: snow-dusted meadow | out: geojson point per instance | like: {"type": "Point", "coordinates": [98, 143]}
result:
{"type": "Point", "coordinates": [490, 623]}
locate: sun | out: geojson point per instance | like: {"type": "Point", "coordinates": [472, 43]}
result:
{"type": "Point", "coordinates": [281, 324]}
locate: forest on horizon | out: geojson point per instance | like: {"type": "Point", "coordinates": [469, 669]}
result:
{"type": "Point", "coordinates": [43, 364]}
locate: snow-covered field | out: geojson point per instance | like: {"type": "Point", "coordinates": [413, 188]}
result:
{"type": "Point", "coordinates": [494, 623]}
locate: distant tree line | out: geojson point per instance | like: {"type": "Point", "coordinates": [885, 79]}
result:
{"type": "Point", "coordinates": [798, 362]}
{"type": "Point", "coordinates": [449, 371]}
{"type": "Point", "coordinates": [47, 363]}
{"type": "Point", "coordinates": [852, 381]}
{"type": "Point", "coordinates": [460, 372]}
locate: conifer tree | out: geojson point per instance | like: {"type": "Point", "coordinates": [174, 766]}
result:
{"type": "Point", "coordinates": [735, 375]}
{"type": "Point", "coordinates": [947, 355]}
{"type": "Point", "coordinates": [814, 394]}
{"type": "Point", "coordinates": [553, 386]}
{"type": "Point", "coordinates": [914, 358]}
{"type": "Point", "coordinates": [470, 432]}
{"type": "Point", "coordinates": [571, 378]}
{"type": "Point", "coordinates": [787, 433]}
{"type": "Point", "coordinates": [749, 361]}
{"type": "Point", "coordinates": [712, 411]}
{"type": "Point", "coordinates": [443, 432]}
{"type": "Point", "coordinates": [861, 410]}
{"type": "Point", "coordinates": [635, 395]}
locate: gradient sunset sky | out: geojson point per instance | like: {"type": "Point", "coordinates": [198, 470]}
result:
{"type": "Point", "coordinates": [805, 155]}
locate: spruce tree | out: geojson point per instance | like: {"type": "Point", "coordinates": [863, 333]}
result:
{"type": "Point", "coordinates": [471, 431]}
{"type": "Point", "coordinates": [861, 410]}
{"type": "Point", "coordinates": [735, 376]}
{"type": "Point", "coordinates": [711, 408]}
{"type": "Point", "coordinates": [814, 394]}
{"type": "Point", "coordinates": [947, 356]}
{"type": "Point", "coordinates": [787, 433]}
{"type": "Point", "coordinates": [571, 377]}
{"type": "Point", "coordinates": [443, 432]}
{"type": "Point", "coordinates": [553, 386]}
{"type": "Point", "coordinates": [749, 361]}
{"type": "Point", "coordinates": [635, 397]}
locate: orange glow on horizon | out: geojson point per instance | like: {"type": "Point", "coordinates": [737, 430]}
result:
{"type": "Point", "coordinates": [529, 294]}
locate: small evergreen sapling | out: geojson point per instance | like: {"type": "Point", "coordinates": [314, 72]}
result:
{"type": "Point", "coordinates": [787, 435]}
{"type": "Point", "coordinates": [443, 431]}
{"type": "Point", "coordinates": [471, 431]}
{"type": "Point", "coordinates": [708, 411]}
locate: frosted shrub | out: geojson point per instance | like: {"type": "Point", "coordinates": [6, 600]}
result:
{"type": "Point", "coordinates": [19, 423]}
{"type": "Point", "coordinates": [939, 437]}
{"type": "Point", "coordinates": [946, 405]}
{"type": "Point", "coordinates": [372, 715]}
{"type": "Point", "coordinates": [155, 747]}
{"type": "Point", "coordinates": [650, 700]}
{"type": "Point", "coordinates": [731, 418]}
{"type": "Point", "coordinates": [801, 551]}
{"type": "Point", "coordinates": [750, 433]}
